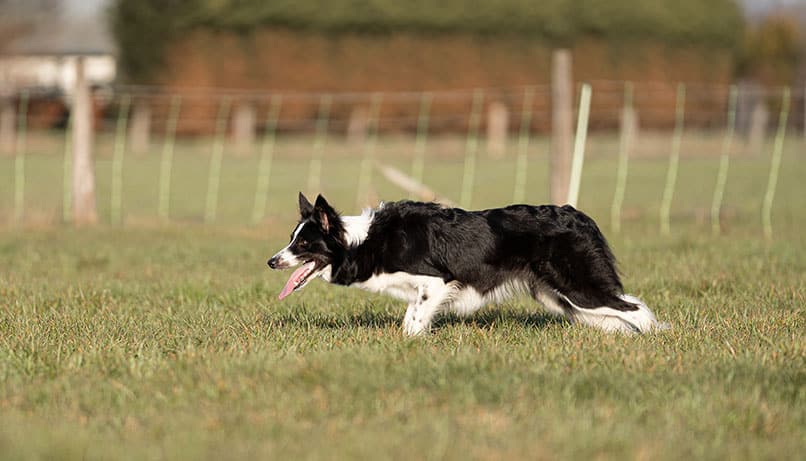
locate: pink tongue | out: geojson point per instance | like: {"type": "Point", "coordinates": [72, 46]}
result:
{"type": "Point", "coordinates": [295, 278]}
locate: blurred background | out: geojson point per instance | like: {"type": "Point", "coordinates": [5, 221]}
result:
{"type": "Point", "coordinates": [217, 111]}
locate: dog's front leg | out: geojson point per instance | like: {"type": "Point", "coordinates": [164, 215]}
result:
{"type": "Point", "coordinates": [421, 312]}
{"type": "Point", "coordinates": [412, 325]}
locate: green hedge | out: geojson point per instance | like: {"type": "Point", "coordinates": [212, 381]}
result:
{"type": "Point", "coordinates": [143, 27]}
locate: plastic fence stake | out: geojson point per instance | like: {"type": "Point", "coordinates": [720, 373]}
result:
{"type": "Point", "coordinates": [365, 171]}
{"type": "Point", "coordinates": [166, 163]}
{"type": "Point", "coordinates": [775, 167]}
{"type": "Point", "coordinates": [418, 163]}
{"type": "Point", "coordinates": [471, 146]}
{"type": "Point", "coordinates": [320, 138]}
{"type": "Point", "coordinates": [216, 160]}
{"type": "Point", "coordinates": [579, 145]}
{"type": "Point", "coordinates": [674, 160]}
{"type": "Point", "coordinates": [117, 159]}
{"type": "Point", "coordinates": [521, 165]}
{"type": "Point", "coordinates": [266, 158]}
{"type": "Point", "coordinates": [724, 162]}
{"type": "Point", "coordinates": [625, 145]}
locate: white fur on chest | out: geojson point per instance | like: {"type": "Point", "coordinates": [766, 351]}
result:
{"type": "Point", "coordinates": [401, 285]}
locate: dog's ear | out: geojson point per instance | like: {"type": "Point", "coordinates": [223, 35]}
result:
{"type": "Point", "coordinates": [305, 207]}
{"type": "Point", "coordinates": [324, 214]}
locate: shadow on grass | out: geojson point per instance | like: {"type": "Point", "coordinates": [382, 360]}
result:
{"type": "Point", "coordinates": [490, 318]}
{"type": "Point", "coordinates": [486, 318]}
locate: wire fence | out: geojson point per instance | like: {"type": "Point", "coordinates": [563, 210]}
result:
{"type": "Point", "coordinates": [349, 132]}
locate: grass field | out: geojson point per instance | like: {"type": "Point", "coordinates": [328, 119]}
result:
{"type": "Point", "coordinates": [166, 340]}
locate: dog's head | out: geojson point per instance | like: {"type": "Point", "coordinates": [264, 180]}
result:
{"type": "Point", "coordinates": [315, 243]}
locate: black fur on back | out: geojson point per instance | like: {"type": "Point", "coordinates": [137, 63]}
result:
{"type": "Point", "coordinates": [555, 250]}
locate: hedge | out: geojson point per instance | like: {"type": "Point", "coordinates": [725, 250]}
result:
{"type": "Point", "coordinates": [143, 27]}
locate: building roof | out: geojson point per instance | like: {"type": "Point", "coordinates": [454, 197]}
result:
{"type": "Point", "coordinates": [63, 38]}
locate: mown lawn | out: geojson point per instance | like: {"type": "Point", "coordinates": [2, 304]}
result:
{"type": "Point", "coordinates": [167, 341]}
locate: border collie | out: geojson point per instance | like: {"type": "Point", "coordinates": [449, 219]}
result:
{"type": "Point", "coordinates": [447, 259]}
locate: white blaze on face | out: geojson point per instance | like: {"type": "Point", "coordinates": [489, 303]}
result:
{"type": "Point", "coordinates": [285, 257]}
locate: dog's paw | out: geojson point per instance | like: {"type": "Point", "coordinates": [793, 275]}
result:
{"type": "Point", "coordinates": [412, 328]}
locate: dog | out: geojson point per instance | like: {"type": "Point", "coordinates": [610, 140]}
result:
{"type": "Point", "coordinates": [440, 259]}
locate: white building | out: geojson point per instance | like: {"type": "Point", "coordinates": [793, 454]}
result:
{"type": "Point", "coordinates": [45, 57]}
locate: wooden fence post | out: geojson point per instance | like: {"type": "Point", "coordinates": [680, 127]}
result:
{"type": "Point", "coordinates": [19, 158]}
{"type": "Point", "coordinates": [561, 125]}
{"type": "Point", "coordinates": [759, 119]}
{"type": "Point", "coordinates": [140, 129]}
{"type": "Point", "coordinates": [497, 129]}
{"type": "Point", "coordinates": [84, 211]}
{"type": "Point", "coordinates": [7, 129]}
{"type": "Point", "coordinates": [358, 125]}
{"type": "Point", "coordinates": [244, 122]}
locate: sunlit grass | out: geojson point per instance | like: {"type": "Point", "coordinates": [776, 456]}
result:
{"type": "Point", "coordinates": [167, 341]}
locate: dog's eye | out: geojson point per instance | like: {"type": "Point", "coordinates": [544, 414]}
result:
{"type": "Point", "coordinates": [302, 242]}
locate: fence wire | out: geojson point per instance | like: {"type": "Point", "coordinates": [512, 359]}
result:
{"type": "Point", "coordinates": [206, 119]}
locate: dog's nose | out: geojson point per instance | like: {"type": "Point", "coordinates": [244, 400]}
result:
{"type": "Point", "coordinates": [272, 262]}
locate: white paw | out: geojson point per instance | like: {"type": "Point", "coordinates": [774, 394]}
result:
{"type": "Point", "coordinates": [414, 327]}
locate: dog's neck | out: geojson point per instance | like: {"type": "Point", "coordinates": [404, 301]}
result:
{"type": "Point", "coordinates": [356, 228]}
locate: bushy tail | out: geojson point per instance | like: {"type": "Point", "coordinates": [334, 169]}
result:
{"type": "Point", "coordinates": [640, 320]}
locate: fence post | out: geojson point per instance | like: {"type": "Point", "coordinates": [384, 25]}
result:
{"type": "Point", "coordinates": [213, 181]}
{"type": "Point", "coordinates": [19, 159]}
{"type": "Point", "coordinates": [320, 138]}
{"type": "Point", "coordinates": [519, 194]}
{"type": "Point", "coordinates": [775, 167]}
{"type": "Point", "coordinates": [117, 159]}
{"type": "Point", "coordinates": [365, 172]}
{"type": "Point", "coordinates": [471, 146]}
{"type": "Point", "coordinates": [243, 126]}
{"type": "Point", "coordinates": [497, 129]}
{"type": "Point", "coordinates": [67, 186]}
{"type": "Point", "coordinates": [7, 125]}
{"type": "Point", "coordinates": [166, 164]}
{"type": "Point", "coordinates": [140, 130]}
{"type": "Point", "coordinates": [628, 125]}
{"type": "Point", "coordinates": [84, 211]}
{"type": "Point", "coordinates": [724, 162]}
{"type": "Point", "coordinates": [418, 163]}
{"type": "Point", "coordinates": [674, 160]}
{"type": "Point", "coordinates": [266, 157]}
{"type": "Point", "coordinates": [579, 145]}
{"type": "Point", "coordinates": [358, 125]}
{"type": "Point", "coordinates": [561, 125]}
{"type": "Point", "coordinates": [759, 119]}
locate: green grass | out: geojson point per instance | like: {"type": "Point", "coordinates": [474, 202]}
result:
{"type": "Point", "coordinates": [167, 341]}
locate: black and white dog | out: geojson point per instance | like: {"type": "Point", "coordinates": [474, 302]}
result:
{"type": "Point", "coordinates": [448, 259]}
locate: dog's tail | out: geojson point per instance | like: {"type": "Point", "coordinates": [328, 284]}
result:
{"type": "Point", "coordinates": [640, 320]}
